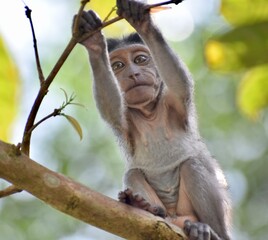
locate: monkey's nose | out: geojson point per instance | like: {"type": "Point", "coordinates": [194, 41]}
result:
{"type": "Point", "coordinates": [135, 77]}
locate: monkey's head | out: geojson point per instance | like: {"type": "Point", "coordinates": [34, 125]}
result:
{"type": "Point", "coordinates": [135, 70]}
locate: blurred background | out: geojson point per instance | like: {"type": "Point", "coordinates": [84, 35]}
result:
{"type": "Point", "coordinates": [224, 44]}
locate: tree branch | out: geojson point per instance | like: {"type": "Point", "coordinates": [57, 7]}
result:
{"type": "Point", "coordinates": [81, 202]}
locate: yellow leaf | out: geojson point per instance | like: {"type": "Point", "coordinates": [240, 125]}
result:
{"type": "Point", "coordinates": [75, 125]}
{"type": "Point", "coordinates": [241, 48]}
{"type": "Point", "coordinates": [9, 86]}
{"type": "Point", "coordinates": [253, 92]}
{"type": "Point", "coordinates": [103, 8]}
{"type": "Point", "coordinates": [215, 54]}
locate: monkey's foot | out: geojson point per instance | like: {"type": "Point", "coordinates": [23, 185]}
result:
{"type": "Point", "coordinates": [199, 231]}
{"type": "Point", "coordinates": [136, 200]}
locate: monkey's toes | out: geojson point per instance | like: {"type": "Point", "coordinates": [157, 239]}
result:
{"type": "Point", "coordinates": [135, 200]}
{"type": "Point", "coordinates": [125, 196]}
{"type": "Point", "coordinates": [198, 230]}
{"type": "Point", "coordinates": [122, 197]}
{"type": "Point", "coordinates": [158, 211]}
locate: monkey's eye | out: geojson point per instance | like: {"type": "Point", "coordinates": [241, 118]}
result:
{"type": "Point", "coordinates": [141, 59]}
{"type": "Point", "coordinates": [117, 65]}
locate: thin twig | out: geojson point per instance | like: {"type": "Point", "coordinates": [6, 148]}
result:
{"type": "Point", "coordinates": [109, 14]}
{"type": "Point", "coordinates": [54, 114]}
{"type": "Point", "coordinates": [9, 191]}
{"type": "Point", "coordinates": [25, 145]}
{"type": "Point", "coordinates": [78, 16]}
{"type": "Point", "coordinates": [28, 12]}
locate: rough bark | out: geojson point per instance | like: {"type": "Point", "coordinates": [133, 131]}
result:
{"type": "Point", "coordinates": [81, 202]}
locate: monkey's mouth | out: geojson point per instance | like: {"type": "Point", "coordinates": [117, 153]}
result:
{"type": "Point", "coordinates": [137, 86]}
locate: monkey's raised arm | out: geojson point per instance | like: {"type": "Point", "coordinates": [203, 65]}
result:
{"type": "Point", "coordinates": [106, 90]}
{"type": "Point", "coordinates": [171, 69]}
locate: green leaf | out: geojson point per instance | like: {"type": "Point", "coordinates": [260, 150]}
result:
{"type": "Point", "coordinates": [78, 104]}
{"type": "Point", "coordinates": [244, 12]}
{"type": "Point", "coordinates": [253, 91]}
{"type": "Point", "coordinates": [75, 125]}
{"type": "Point", "coordinates": [239, 49]}
{"type": "Point", "coordinates": [65, 94]}
{"type": "Point", "coordinates": [9, 87]}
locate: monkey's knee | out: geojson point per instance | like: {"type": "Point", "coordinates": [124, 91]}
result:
{"type": "Point", "coordinates": [132, 176]}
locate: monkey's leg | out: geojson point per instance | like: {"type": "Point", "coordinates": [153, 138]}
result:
{"type": "Point", "coordinates": [140, 194]}
{"type": "Point", "coordinates": [204, 193]}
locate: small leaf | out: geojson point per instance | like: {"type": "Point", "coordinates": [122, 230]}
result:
{"type": "Point", "coordinates": [75, 125]}
{"type": "Point", "coordinates": [65, 94]}
{"type": "Point", "coordinates": [78, 104]}
{"type": "Point", "coordinates": [253, 92]}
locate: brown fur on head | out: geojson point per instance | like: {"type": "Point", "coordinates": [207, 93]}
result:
{"type": "Point", "coordinates": [114, 43]}
{"type": "Point", "coordinates": [120, 49]}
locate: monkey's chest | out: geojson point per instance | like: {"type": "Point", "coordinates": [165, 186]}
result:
{"type": "Point", "coordinates": [159, 150]}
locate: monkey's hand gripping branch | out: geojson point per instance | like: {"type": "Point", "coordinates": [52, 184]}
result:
{"type": "Point", "coordinates": [118, 18]}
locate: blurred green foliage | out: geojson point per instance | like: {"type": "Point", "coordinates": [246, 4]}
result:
{"type": "Point", "coordinates": [244, 48]}
{"type": "Point", "coordinates": [239, 144]}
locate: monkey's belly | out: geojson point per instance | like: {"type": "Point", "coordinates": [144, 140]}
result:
{"type": "Point", "coordinates": [160, 154]}
{"type": "Point", "coordinates": [165, 184]}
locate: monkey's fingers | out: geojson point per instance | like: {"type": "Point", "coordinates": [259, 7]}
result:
{"type": "Point", "coordinates": [92, 19]}
{"type": "Point", "coordinates": [121, 6]}
{"type": "Point", "coordinates": [192, 230]}
{"type": "Point", "coordinates": [133, 11]}
{"type": "Point", "coordinates": [187, 227]}
{"type": "Point", "coordinates": [214, 235]}
{"type": "Point", "coordinates": [200, 231]}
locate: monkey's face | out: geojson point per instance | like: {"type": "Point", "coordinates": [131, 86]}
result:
{"type": "Point", "coordinates": [136, 74]}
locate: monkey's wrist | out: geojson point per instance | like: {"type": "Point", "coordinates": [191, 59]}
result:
{"type": "Point", "coordinates": [147, 30]}
{"type": "Point", "coordinates": [95, 50]}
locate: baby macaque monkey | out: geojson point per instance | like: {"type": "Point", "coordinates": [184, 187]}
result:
{"type": "Point", "coordinates": [145, 93]}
